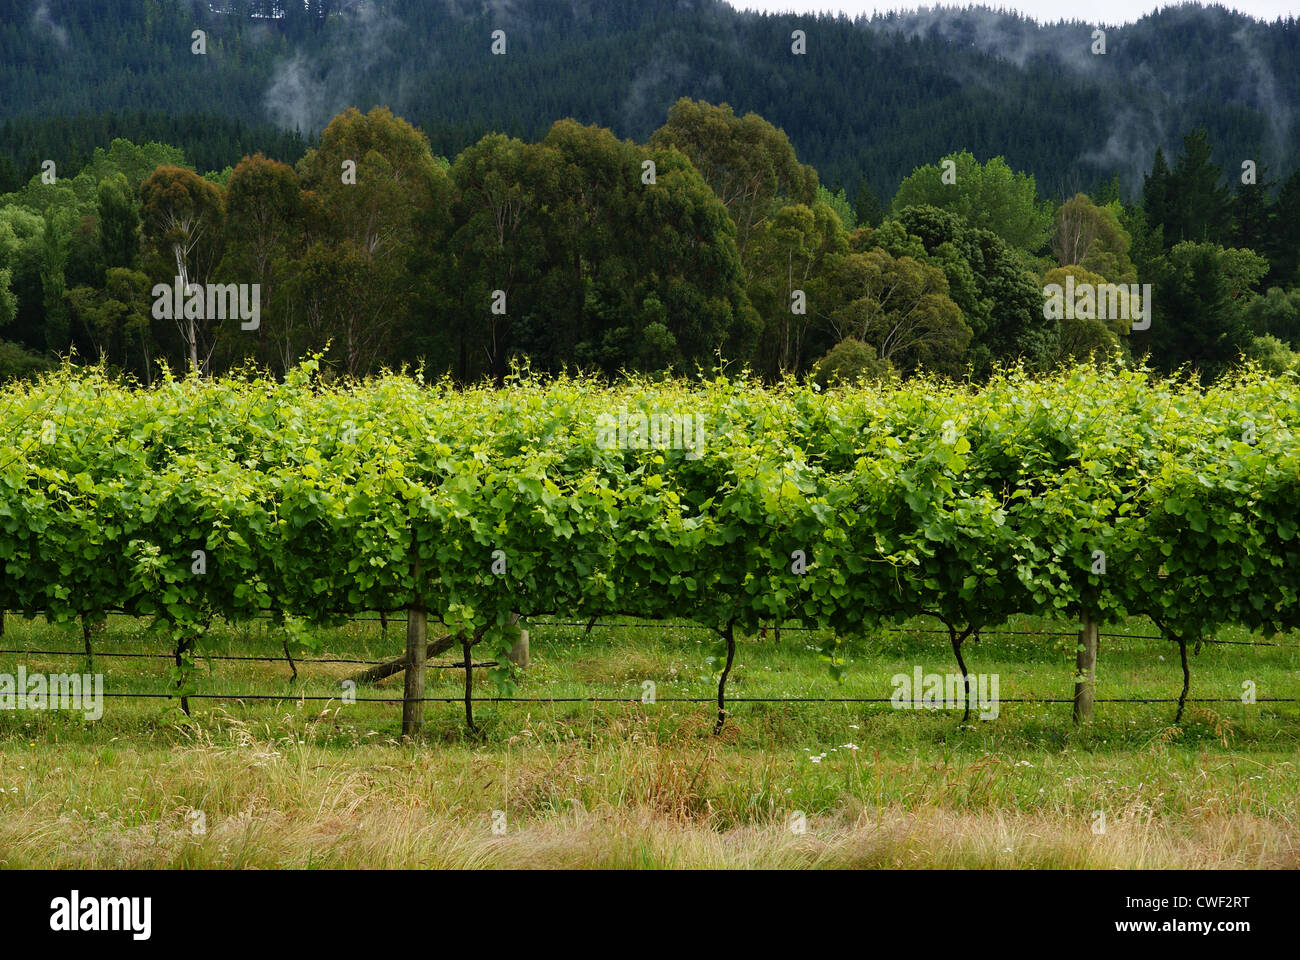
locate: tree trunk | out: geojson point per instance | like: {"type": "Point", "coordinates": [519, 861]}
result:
{"type": "Point", "coordinates": [730, 636]}
{"type": "Point", "coordinates": [85, 639]}
{"type": "Point", "coordinates": [417, 622]}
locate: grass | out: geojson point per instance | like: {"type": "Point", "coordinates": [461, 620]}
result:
{"type": "Point", "coordinates": [321, 784]}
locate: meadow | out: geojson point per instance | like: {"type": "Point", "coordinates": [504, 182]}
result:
{"type": "Point", "coordinates": [302, 783]}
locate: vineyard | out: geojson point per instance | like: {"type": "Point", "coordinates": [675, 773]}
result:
{"type": "Point", "coordinates": [1088, 496]}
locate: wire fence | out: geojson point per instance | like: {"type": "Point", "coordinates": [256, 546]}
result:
{"type": "Point", "coordinates": [616, 625]}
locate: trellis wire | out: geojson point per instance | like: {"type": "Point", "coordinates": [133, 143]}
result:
{"type": "Point", "coordinates": [630, 699]}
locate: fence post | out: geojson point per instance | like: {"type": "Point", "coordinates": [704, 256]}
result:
{"type": "Point", "coordinates": [417, 625]}
{"type": "Point", "coordinates": [1085, 669]}
{"type": "Point", "coordinates": [519, 652]}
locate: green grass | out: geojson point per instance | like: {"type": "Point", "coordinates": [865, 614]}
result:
{"type": "Point", "coordinates": [309, 782]}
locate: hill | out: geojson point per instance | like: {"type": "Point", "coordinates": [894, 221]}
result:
{"type": "Point", "coordinates": [870, 99]}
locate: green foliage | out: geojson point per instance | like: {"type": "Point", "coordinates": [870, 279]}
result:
{"type": "Point", "coordinates": [849, 361]}
{"type": "Point", "coordinates": [1272, 355]}
{"type": "Point", "coordinates": [1198, 318]}
{"type": "Point", "coordinates": [749, 163]}
{"type": "Point", "coordinates": [1276, 313]}
{"type": "Point", "coordinates": [995, 286]}
{"type": "Point", "coordinates": [16, 362]}
{"type": "Point", "coordinates": [1092, 237]}
{"type": "Point", "coordinates": [315, 501]}
{"type": "Point", "coordinates": [989, 196]}
{"type": "Point", "coordinates": [601, 265]}
{"type": "Point", "coordinates": [839, 202]}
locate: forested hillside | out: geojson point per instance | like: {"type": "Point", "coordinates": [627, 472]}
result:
{"type": "Point", "coordinates": [868, 101]}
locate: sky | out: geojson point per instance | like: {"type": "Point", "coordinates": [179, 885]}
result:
{"type": "Point", "coordinates": [1091, 11]}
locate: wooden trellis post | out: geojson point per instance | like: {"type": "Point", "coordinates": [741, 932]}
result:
{"type": "Point", "coordinates": [519, 652]}
{"type": "Point", "coordinates": [417, 626]}
{"type": "Point", "coordinates": [1085, 667]}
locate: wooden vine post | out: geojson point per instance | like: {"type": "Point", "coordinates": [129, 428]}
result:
{"type": "Point", "coordinates": [519, 651]}
{"type": "Point", "coordinates": [417, 629]}
{"type": "Point", "coordinates": [1085, 669]}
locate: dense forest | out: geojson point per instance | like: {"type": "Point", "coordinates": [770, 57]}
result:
{"type": "Point", "coordinates": [908, 216]}
{"type": "Point", "coordinates": [711, 241]}
{"type": "Point", "coordinates": [866, 103]}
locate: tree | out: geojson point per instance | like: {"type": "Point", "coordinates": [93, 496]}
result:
{"type": "Point", "coordinates": [1155, 191]}
{"type": "Point", "coordinates": [901, 307]}
{"type": "Point", "coordinates": [788, 257]}
{"type": "Point", "coordinates": [1081, 338]}
{"type": "Point", "coordinates": [1283, 248]}
{"type": "Point", "coordinates": [1196, 202]}
{"type": "Point", "coordinates": [119, 223]}
{"type": "Point", "coordinates": [493, 242]}
{"type": "Point", "coordinates": [183, 216]}
{"type": "Point", "coordinates": [1091, 237]}
{"type": "Point", "coordinates": [748, 162]}
{"type": "Point", "coordinates": [597, 262]}
{"type": "Point", "coordinates": [850, 361]}
{"type": "Point", "coordinates": [1274, 356]}
{"type": "Point", "coordinates": [995, 285]}
{"type": "Point", "coordinates": [1198, 316]}
{"type": "Point", "coordinates": [1276, 313]}
{"type": "Point", "coordinates": [264, 228]}
{"type": "Point", "coordinates": [990, 196]}
{"type": "Point", "coordinates": [866, 206]}
{"type": "Point", "coordinates": [115, 319]}
{"type": "Point", "coordinates": [1252, 212]}
{"type": "Point", "coordinates": [8, 302]}
{"type": "Point", "coordinates": [21, 253]}
{"type": "Point", "coordinates": [839, 202]}
{"type": "Point", "coordinates": [370, 179]}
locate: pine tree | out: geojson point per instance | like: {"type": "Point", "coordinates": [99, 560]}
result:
{"type": "Point", "coordinates": [1155, 191]}
{"type": "Point", "coordinates": [867, 206]}
{"type": "Point", "coordinates": [1198, 203]}
{"type": "Point", "coordinates": [1251, 212]}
